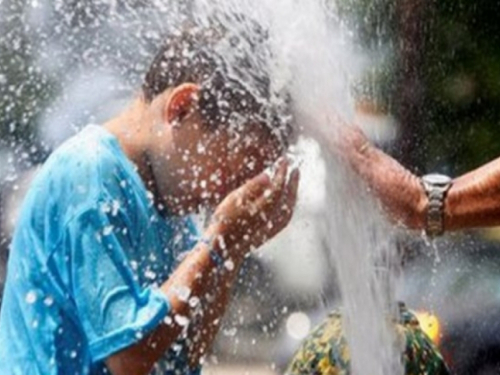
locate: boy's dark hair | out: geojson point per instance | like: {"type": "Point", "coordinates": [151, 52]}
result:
{"type": "Point", "coordinates": [239, 94]}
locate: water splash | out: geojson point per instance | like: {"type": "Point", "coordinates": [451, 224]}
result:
{"type": "Point", "coordinates": [310, 52]}
{"type": "Point", "coordinates": [364, 254]}
{"type": "Point", "coordinates": [313, 55]}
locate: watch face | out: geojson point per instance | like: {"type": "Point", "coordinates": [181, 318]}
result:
{"type": "Point", "coordinates": [437, 179]}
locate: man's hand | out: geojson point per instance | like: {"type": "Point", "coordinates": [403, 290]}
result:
{"type": "Point", "coordinates": [472, 201]}
{"type": "Point", "coordinates": [399, 191]}
{"type": "Point", "coordinates": [258, 210]}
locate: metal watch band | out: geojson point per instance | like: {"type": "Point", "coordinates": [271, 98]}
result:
{"type": "Point", "coordinates": [436, 187]}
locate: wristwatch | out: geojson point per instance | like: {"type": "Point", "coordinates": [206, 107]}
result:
{"type": "Point", "coordinates": [436, 186]}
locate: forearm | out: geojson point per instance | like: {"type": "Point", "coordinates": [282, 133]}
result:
{"type": "Point", "coordinates": [204, 328]}
{"type": "Point", "coordinates": [474, 199]}
{"type": "Point", "coordinates": [399, 191]}
{"type": "Point", "coordinates": [197, 276]}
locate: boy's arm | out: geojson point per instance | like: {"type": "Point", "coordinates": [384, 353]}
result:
{"type": "Point", "coordinates": [203, 329]}
{"type": "Point", "coordinates": [241, 223]}
{"type": "Point", "coordinates": [194, 273]}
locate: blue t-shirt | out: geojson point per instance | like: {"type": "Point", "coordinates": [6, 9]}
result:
{"type": "Point", "coordinates": [87, 256]}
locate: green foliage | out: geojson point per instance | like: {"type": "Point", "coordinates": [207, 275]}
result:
{"type": "Point", "coordinates": [462, 78]}
{"type": "Point", "coordinates": [459, 74]}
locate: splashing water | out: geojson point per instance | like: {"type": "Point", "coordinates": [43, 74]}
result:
{"type": "Point", "coordinates": [310, 53]}
{"type": "Point", "coordinates": [313, 55]}
{"type": "Point", "coordinates": [364, 254]}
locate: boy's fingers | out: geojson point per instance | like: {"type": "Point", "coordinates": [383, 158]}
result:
{"type": "Point", "coordinates": [290, 193]}
{"type": "Point", "coordinates": [279, 178]}
{"type": "Point", "coordinates": [283, 211]}
{"type": "Point", "coordinates": [265, 190]}
{"type": "Point", "coordinates": [257, 185]}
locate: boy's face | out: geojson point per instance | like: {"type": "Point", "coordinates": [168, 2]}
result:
{"type": "Point", "coordinates": [210, 163]}
{"type": "Point", "coordinates": [244, 155]}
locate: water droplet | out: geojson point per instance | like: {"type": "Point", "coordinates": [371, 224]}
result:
{"type": "Point", "coordinates": [31, 297]}
{"type": "Point", "coordinates": [115, 207]}
{"type": "Point", "coordinates": [107, 230]}
{"type": "Point", "coordinates": [229, 265]}
{"type": "Point", "coordinates": [181, 320]}
{"type": "Point", "coordinates": [194, 301]}
{"type": "Point", "coordinates": [105, 208]}
{"type": "Point", "coordinates": [230, 332]}
{"type": "Point", "coordinates": [182, 292]}
{"type": "Point", "coordinates": [48, 301]}
{"type": "Point", "coordinates": [134, 265]}
{"type": "Point", "coordinates": [222, 243]}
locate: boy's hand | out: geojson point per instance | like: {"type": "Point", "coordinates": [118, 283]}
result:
{"type": "Point", "coordinates": [257, 211]}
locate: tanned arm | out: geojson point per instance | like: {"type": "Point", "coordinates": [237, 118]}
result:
{"type": "Point", "coordinates": [472, 201]}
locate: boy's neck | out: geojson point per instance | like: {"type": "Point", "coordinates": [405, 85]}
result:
{"type": "Point", "coordinates": [131, 128]}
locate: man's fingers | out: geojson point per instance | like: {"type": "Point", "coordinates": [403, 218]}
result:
{"type": "Point", "coordinates": [268, 186]}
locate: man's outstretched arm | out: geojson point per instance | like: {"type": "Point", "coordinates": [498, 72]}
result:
{"type": "Point", "coordinates": [474, 198]}
{"type": "Point", "coordinates": [472, 201]}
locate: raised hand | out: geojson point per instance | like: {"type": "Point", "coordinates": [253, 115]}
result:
{"type": "Point", "coordinates": [258, 210]}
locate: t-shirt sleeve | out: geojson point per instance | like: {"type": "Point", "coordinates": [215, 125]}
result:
{"type": "Point", "coordinates": [114, 310]}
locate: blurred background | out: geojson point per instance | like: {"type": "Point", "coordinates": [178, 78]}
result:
{"type": "Point", "coordinates": [431, 98]}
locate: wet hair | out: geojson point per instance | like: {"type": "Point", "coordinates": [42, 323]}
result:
{"type": "Point", "coordinates": [231, 96]}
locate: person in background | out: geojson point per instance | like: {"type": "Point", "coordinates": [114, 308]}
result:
{"type": "Point", "coordinates": [95, 281]}
{"type": "Point", "coordinates": [325, 350]}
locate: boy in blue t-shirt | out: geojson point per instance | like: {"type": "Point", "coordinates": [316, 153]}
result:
{"type": "Point", "coordinates": [106, 272]}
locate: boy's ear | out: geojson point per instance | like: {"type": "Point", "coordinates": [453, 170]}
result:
{"type": "Point", "coordinates": [182, 100]}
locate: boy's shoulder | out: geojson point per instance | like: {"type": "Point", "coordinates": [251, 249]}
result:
{"type": "Point", "coordinates": [85, 168]}
{"type": "Point", "coordinates": [84, 160]}
{"type": "Point", "coordinates": [92, 147]}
